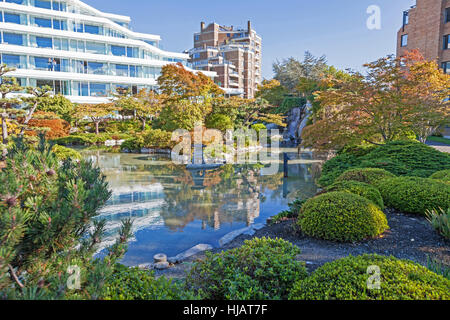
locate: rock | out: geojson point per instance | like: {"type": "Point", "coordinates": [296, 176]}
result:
{"type": "Point", "coordinates": [258, 226]}
{"type": "Point", "coordinates": [189, 253]}
{"type": "Point", "coordinates": [146, 266]}
{"type": "Point", "coordinates": [160, 257]}
{"type": "Point", "coordinates": [161, 265]}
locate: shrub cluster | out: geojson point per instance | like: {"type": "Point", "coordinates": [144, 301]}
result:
{"type": "Point", "coordinates": [362, 189]}
{"type": "Point", "coordinates": [415, 195]}
{"type": "Point", "coordinates": [260, 269]}
{"type": "Point", "coordinates": [341, 216]}
{"type": "Point", "coordinates": [443, 175]}
{"type": "Point", "coordinates": [440, 220]}
{"type": "Point", "coordinates": [402, 158]}
{"type": "Point", "coordinates": [348, 279]}
{"type": "Point", "coordinates": [370, 176]}
{"type": "Point", "coordinates": [136, 284]}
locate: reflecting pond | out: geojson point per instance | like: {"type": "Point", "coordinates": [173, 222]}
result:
{"type": "Point", "coordinates": [174, 209]}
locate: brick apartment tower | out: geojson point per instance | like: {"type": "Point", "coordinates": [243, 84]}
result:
{"type": "Point", "coordinates": [426, 27]}
{"type": "Point", "coordinates": [234, 53]}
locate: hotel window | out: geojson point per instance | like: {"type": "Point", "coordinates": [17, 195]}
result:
{"type": "Point", "coordinates": [13, 38]}
{"type": "Point", "coordinates": [96, 68]}
{"type": "Point", "coordinates": [404, 40]}
{"type": "Point", "coordinates": [95, 47]}
{"type": "Point", "coordinates": [98, 89]}
{"type": "Point", "coordinates": [44, 42]}
{"type": "Point", "coordinates": [92, 29]}
{"type": "Point", "coordinates": [14, 61]}
{"type": "Point", "coordinates": [59, 24]}
{"type": "Point", "coordinates": [43, 4]}
{"type": "Point", "coordinates": [41, 22]}
{"type": "Point", "coordinates": [61, 44]}
{"type": "Point", "coordinates": [121, 70]}
{"type": "Point", "coordinates": [23, 2]}
{"type": "Point", "coordinates": [12, 18]}
{"type": "Point", "coordinates": [59, 6]}
{"type": "Point", "coordinates": [118, 51]}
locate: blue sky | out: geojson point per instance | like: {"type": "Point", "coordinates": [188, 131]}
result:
{"type": "Point", "coordinates": [335, 28]}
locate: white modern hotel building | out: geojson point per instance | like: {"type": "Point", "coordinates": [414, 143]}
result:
{"type": "Point", "coordinates": [79, 51]}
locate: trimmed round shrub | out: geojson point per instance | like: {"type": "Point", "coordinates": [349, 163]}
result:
{"type": "Point", "coordinates": [361, 189]}
{"type": "Point", "coordinates": [262, 269]}
{"type": "Point", "coordinates": [136, 284]}
{"type": "Point", "coordinates": [348, 279]}
{"type": "Point", "coordinates": [64, 153]}
{"type": "Point", "coordinates": [443, 175]}
{"type": "Point", "coordinates": [415, 195]}
{"type": "Point", "coordinates": [342, 217]}
{"type": "Point", "coordinates": [370, 176]}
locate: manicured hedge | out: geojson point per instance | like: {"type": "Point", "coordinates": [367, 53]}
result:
{"type": "Point", "coordinates": [402, 158]}
{"type": "Point", "coordinates": [370, 176]}
{"type": "Point", "coordinates": [361, 189]}
{"type": "Point", "coordinates": [262, 269]}
{"type": "Point", "coordinates": [348, 278]}
{"type": "Point", "coordinates": [443, 175]}
{"type": "Point", "coordinates": [415, 195]}
{"type": "Point", "coordinates": [341, 216]}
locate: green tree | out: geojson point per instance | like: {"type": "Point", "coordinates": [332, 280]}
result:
{"type": "Point", "coordinates": [97, 113]}
{"type": "Point", "coordinates": [59, 105]}
{"type": "Point", "coordinates": [7, 104]}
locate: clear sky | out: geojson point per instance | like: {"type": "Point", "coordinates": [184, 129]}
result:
{"type": "Point", "coordinates": [335, 28]}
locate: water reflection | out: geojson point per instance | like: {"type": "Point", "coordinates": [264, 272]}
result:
{"type": "Point", "coordinates": [174, 209]}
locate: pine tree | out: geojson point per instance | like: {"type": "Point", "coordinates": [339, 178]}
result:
{"type": "Point", "coordinates": [46, 228]}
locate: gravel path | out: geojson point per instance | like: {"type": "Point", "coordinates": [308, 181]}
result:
{"type": "Point", "coordinates": [409, 237]}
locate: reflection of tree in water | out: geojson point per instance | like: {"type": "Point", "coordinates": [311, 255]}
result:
{"type": "Point", "coordinates": [225, 195]}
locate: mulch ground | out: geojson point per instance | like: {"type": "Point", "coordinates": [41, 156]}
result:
{"type": "Point", "coordinates": [409, 237]}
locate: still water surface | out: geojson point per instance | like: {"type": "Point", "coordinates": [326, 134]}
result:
{"type": "Point", "coordinates": [174, 209]}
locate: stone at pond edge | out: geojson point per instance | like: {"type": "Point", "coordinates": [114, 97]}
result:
{"type": "Point", "coordinates": [160, 257]}
{"type": "Point", "coordinates": [189, 253]}
{"type": "Point", "coordinates": [161, 265]}
{"type": "Point", "coordinates": [250, 231]}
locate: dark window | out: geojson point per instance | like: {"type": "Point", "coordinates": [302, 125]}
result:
{"type": "Point", "coordinates": [91, 29]}
{"type": "Point", "coordinates": [405, 18]}
{"type": "Point", "coordinates": [446, 42]}
{"type": "Point", "coordinates": [447, 15]}
{"type": "Point", "coordinates": [43, 42]}
{"type": "Point", "coordinates": [43, 4]}
{"type": "Point", "coordinates": [11, 60]}
{"type": "Point", "coordinates": [446, 67]}
{"type": "Point", "coordinates": [12, 18]}
{"type": "Point", "coordinates": [404, 40]}
{"type": "Point", "coordinates": [118, 51]}
{"type": "Point", "coordinates": [16, 1]}
{"type": "Point", "coordinates": [13, 38]}
{"type": "Point", "coordinates": [44, 23]}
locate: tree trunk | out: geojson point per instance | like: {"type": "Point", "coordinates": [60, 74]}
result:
{"type": "Point", "coordinates": [97, 132]}
{"type": "Point", "coordinates": [4, 129]}
{"type": "Point", "coordinates": [28, 118]}
{"type": "Point", "coordinates": [143, 124]}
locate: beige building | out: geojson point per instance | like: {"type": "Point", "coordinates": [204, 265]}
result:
{"type": "Point", "coordinates": [426, 27]}
{"type": "Point", "coordinates": [233, 53]}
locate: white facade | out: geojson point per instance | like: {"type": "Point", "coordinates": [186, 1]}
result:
{"type": "Point", "coordinates": [81, 52]}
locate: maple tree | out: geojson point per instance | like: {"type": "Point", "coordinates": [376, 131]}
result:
{"type": "Point", "coordinates": [396, 96]}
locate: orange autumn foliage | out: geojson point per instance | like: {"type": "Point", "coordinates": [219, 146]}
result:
{"type": "Point", "coordinates": [57, 128]}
